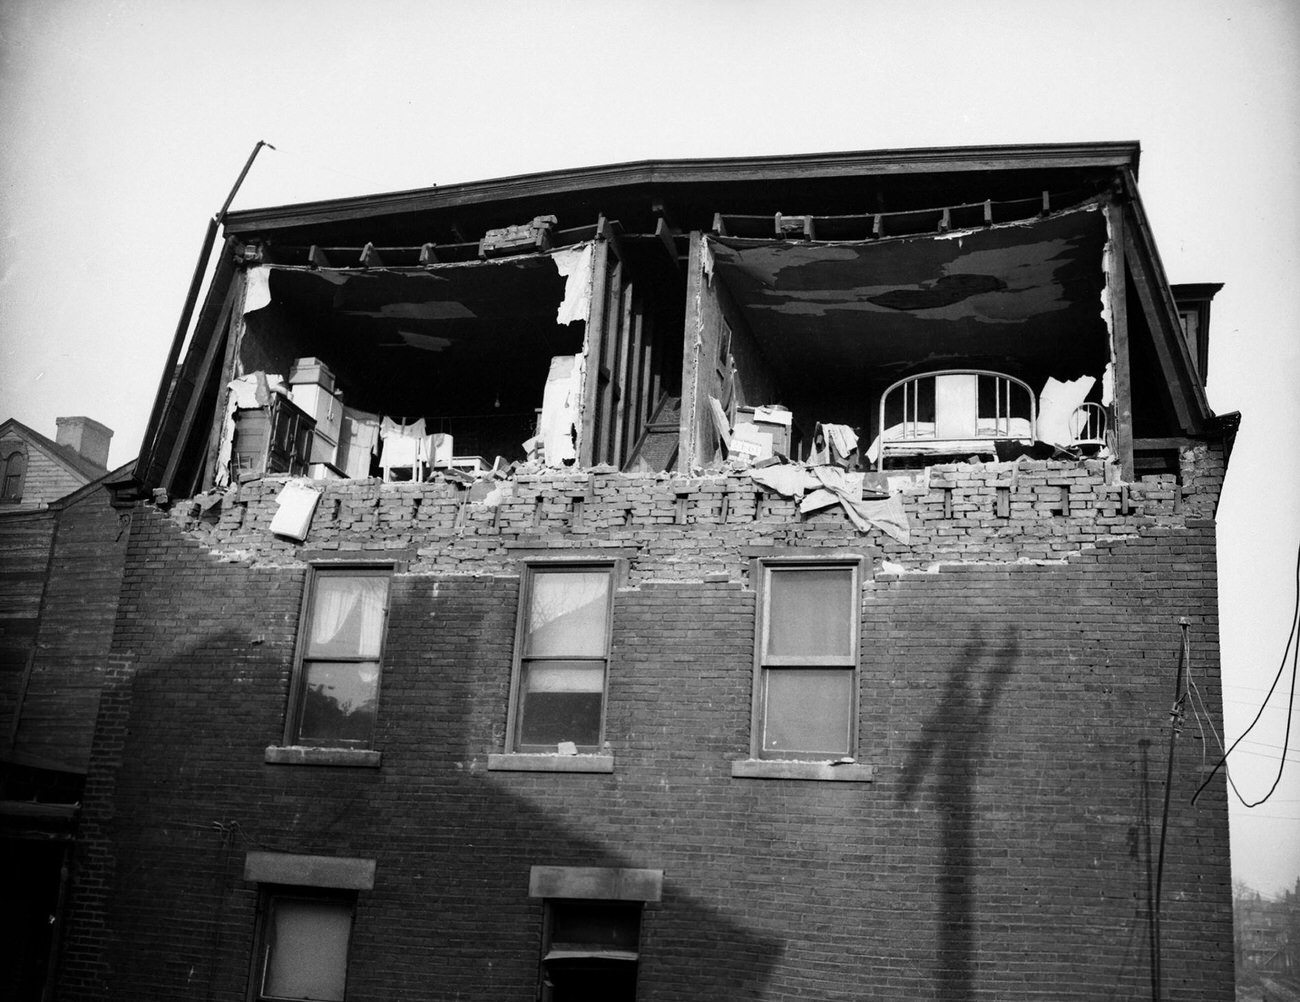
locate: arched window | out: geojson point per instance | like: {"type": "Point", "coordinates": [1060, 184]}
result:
{"type": "Point", "coordinates": [12, 469]}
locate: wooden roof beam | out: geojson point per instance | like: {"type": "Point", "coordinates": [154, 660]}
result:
{"type": "Point", "coordinates": [1176, 364]}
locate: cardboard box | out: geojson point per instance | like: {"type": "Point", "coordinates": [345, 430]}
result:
{"type": "Point", "coordinates": [311, 370]}
{"type": "Point", "coordinates": [765, 421]}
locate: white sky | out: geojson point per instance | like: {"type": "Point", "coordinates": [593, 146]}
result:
{"type": "Point", "coordinates": [125, 123]}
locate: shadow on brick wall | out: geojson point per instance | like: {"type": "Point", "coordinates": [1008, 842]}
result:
{"type": "Point", "coordinates": [449, 914]}
{"type": "Point", "coordinates": [950, 751]}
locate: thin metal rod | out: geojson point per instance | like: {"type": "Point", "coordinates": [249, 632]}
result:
{"type": "Point", "coordinates": [187, 311]}
{"type": "Point", "coordinates": [1175, 725]}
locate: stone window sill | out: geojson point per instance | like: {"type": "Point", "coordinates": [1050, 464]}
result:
{"type": "Point", "coordinates": [359, 758]}
{"type": "Point", "coordinates": [521, 762]}
{"type": "Point", "coordinates": [762, 768]}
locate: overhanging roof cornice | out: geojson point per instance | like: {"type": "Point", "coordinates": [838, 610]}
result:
{"type": "Point", "coordinates": [668, 173]}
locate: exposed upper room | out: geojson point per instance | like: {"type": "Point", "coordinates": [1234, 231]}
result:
{"type": "Point", "coordinates": [651, 316]}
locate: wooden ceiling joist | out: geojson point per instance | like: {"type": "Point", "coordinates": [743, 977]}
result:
{"type": "Point", "coordinates": [912, 222]}
{"type": "Point", "coordinates": [665, 236]}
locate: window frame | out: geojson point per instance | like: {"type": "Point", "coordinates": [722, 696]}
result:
{"type": "Point", "coordinates": [851, 662]}
{"type": "Point", "coordinates": [612, 568]}
{"type": "Point", "coordinates": [15, 457]}
{"type": "Point", "coordinates": [297, 687]}
{"type": "Point", "coordinates": [268, 896]}
{"type": "Point", "coordinates": [546, 990]}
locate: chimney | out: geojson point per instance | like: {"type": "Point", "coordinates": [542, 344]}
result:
{"type": "Point", "coordinates": [86, 437]}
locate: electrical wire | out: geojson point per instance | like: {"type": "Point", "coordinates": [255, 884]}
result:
{"type": "Point", "coordinates": [1291, 642]}
{"type": "Point", "coordinates": [1196, 696]}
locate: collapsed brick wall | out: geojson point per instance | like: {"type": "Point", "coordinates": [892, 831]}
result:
{"type": "Point", "coordinates": [689, 527]}
{"type": "Point", "coordinates": [1015, 678]}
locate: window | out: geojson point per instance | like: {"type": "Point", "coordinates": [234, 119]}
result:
{"type": "Point", "coordinates": [806, 698]}
{"type": "Point", "coordinates": [336, 679]}
{"type": "Point", "coordinates": [12, 469]}
{"type": "Point", "coordinates": [590, 950]}
{"type": "Point", "coordinates": [562, 651]}
{"type": "Point", "coordinates": [303, 945]}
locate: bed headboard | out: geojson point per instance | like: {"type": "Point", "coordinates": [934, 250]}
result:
{"type": "Point", "coordinates": [954, 406]}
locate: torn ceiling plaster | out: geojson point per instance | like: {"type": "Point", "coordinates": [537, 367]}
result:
{"type": "Point", "coordinates": [418, 311]}
{"type": "Point", "coordinates": [257, 289]}
{"type": "Point", "coordinates": [575, 266]}
{"type": "Point", "coordinates": [425, 342]}
{"type": "Point", "coordinates": [863, 310]}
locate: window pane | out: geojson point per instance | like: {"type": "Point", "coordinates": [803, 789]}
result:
{"type": "Point", "coordinates": [347, 616]}
{"type": "Point", "coordinates": [810, 611]}
{"type": "Point", "coordinates": [614, 925]}
{"type": "Point", "coordinates": [561, 701]}
{"type": "Point", "coordinates": [807, 710]}
{"type": "Point", "coordinates": [308, 950]}
{"type": "Point", "coordinates": [338, 701]}
{"type": "Point", "coordinates": [567, 611]}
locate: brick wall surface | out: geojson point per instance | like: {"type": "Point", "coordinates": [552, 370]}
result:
{"type": "Point", "coordinates": [1015, 679]}
{"type": "Point", "coordinates": [77, 615]}
{"type": "Point", "coordinates": [25, 542]}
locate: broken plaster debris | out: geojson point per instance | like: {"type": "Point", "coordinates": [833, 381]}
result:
{"type": "Point", "coordinates": [575, 266]}
{"type": "Point", "coordinates": [555, 443]}
{"type": "Point", "coordinates": [257, 291]}
{"type": "Point", "coordinates": [706, 259]}
{"type": "Point", "coordinates": [1056, 403]}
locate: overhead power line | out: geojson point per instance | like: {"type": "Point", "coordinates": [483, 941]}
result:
{"type": "Point", "coordinates": [1291, 650]}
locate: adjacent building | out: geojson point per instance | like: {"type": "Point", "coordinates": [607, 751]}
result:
{"type": "Point", "coordinates": [743, 579]}
{"type": "Point", "coordinates": [62, 549]}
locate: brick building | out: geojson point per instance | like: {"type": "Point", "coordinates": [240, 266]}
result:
{"type": "Point", "coordinates": [62, 549]}
{"type": "Point", "coordinates": [707, 579]}
{"type": "Point", "coordinates": [36, 471]}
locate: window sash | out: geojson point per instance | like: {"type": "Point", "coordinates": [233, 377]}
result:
{"type": "Point", "coordinates": [814, 647]}
{"type": "Point", "coordinates": [807, 712]}
{"type": "Point", "coordinates": [561, 662]}
{"type": "Point", "coordinates": [338, 667]}
{"type": "Point", "coordinates": [806, 668]}
{"type": "Point", "coordinates": [11, 486]}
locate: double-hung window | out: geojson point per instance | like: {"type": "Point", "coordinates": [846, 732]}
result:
{"type": "Point", "coordinates": [303, 945]}
{"type": "Point", "coordinates": [561, 657]}
{"type": "Point", "coordinates": [340, 643]}
{"type": "Point", "coordinates": [805, 701]}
